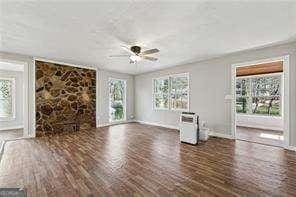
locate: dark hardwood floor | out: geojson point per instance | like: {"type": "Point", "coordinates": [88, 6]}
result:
{"type": "Point", "coordinates": [141, 160]}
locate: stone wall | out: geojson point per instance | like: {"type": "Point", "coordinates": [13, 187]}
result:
{"type": "Point", "coordinates": [64, 95]}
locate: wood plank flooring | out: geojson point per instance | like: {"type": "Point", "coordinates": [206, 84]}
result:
{"type": "Point", "coordinates": [140, 160]}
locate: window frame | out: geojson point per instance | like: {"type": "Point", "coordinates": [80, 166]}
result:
{"type": "Point", "coordinates": [13, 100]}
{"type": "Point", "coordinates": [153, 93]}
{"type": "Point", "coordinates": [124, 100]}
{"type": "Point", "coordinates": [169, 77]}
{"type": "Point", "coordinates": [251, 95]}
{"type": "Point", "coordinates": [188, 91]}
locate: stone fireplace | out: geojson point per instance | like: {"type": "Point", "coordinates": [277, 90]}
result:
{"type": "Point", "coordinates": [65, 98]}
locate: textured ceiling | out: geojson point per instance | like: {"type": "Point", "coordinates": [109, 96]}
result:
{"type": "Point", "coordinates": [88, 32]}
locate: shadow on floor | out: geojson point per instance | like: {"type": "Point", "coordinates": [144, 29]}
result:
{"type": "Point", "coordinates": [11, 134]}
{"type": "Point", "coordinates": [268, 137]}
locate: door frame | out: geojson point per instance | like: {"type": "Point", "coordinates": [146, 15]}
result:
{"type": "Point", "coordinates": [26, 100]}
{"type": "Point", "coordinates": [286, 101]}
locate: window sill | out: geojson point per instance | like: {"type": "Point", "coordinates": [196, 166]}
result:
{"type": "Point", "coordinates": [257, 115]}
{"type": "Point", "coordinates": [117, 121]}
{"type": "Point", "coordinates": [161, 109]}
{"type": "Point", "coordinates": [173, 110]}
{"type": "Point", "coordinates": [5, 119]}
{"type": "Point", "coordinates": [184, 110]}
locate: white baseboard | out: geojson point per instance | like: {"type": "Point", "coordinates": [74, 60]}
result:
{"type": "Point", "coordinates": [215, 134]}
{"type": "Point", "coordinates": [114, 123]}
{"type": "Point", "coordinates": [12, 127]}
{"type": "Point", "coordinates": [259, 127]}
{"type": "Point", "coordinates": [157, 124]}
{"type": "Point", "coordinates": [221, 135]}
{"type": "Point", "coordinates": [292, 148]}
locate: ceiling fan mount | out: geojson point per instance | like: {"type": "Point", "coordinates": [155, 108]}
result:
{"type": "Point", "coordinates": [136, 49]}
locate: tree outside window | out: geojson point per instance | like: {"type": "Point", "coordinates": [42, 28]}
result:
{"type": "Point", "coordinates": [161, 93]}
{"type": "Point", "coordinates": [171, 92]}
{"type": "Point", "coordinates": [179, 92]}
{"type": "Point", "coordinates": [117, 90]}
{"type": "Point", "coordinates": [6, 100]}
{"type": "Point", "coordinates": [242, 95]}
{"type": "Point", "coordinates": [259, 95]}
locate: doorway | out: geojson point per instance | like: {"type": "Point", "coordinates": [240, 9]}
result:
{"type": "Point", "coordinates": [260, 104]}
{"type": "Point", "coordinates": [117, 100]}
{"type": "Point", "coordinates": [13, 94]}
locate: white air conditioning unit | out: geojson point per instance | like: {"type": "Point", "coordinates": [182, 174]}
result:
{"type": "Point", "coordinates": [189, 127]}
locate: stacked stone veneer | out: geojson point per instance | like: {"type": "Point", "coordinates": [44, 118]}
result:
{"type": "Point", "coordinates": [64, 94]}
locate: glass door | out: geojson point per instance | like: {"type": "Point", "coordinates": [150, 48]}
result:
{"type": "Point", "coordinates": [117, 100]}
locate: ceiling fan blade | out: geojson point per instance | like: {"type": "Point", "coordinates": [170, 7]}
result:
{"type": "Point", "coordinates": [127, 49]}
{"type": "Point", "coordinates": [149, 58]}
{"type": "Point", "coordinates": [150, 51]}
{"type": "Point", "coordinates": [119, 55]}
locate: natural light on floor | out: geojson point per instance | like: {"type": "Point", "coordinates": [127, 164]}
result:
{"type": "Point", "coordinates": [272, 136]}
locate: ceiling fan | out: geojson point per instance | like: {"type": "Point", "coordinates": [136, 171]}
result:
{"type": "Point", "coordinates": [135, 54]}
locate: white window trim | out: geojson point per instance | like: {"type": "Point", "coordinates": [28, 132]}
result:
{"type": "Point", "coordinates": [169, 92]}
{"type": "Point", "coordinates": [281, 96]}
{"type": "Point", "coordinates": [13, 117]}
{"type": "Point", "coordinates": [124, 100]}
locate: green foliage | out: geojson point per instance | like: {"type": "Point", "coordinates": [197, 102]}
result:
{"type": "Point", "coordinates": [117, 94]}
{"type": "Point", "coordinates": [5, 98]}
{"type": "Point", "coordinates": [171, 89]}
{"type": "Point", "coordinates": [118, 114]}
{"type": "Point", "coordinates": [262, 93]}
{"type": "Point", "coordinates": [241, 105]}
{"type": "Point", "coordinates": [5, 89]}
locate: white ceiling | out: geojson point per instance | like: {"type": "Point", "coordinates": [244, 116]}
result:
{"type": "Point", "coordinates": [88, 32]}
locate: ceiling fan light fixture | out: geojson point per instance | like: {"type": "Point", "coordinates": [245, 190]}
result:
{"type": "Point", "coordinates": [135, 58]}
{"type": "Point", "coordinates": [135, 54]}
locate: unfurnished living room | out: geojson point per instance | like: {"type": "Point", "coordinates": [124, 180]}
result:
{"type": "Point", "coordinates": [147, 98]}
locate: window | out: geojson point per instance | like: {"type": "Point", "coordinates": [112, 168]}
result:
{"type": "Point", "coordinates": [171, 92]}
{"type": "Point", "coordinates": [242, 94]}
{"type": "Point", "coordinates": [161, 93]}
{"type": "Point", "coordinates": [117, 94]}
{"type": "Point", "coordinates": [259, 95]}
{"type": "Point", "coordinates": [179, 92]}
{"type": "Point", "coordinates": [6, 98]}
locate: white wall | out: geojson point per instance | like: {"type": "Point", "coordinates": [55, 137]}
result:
{"type": "Point", "coordinates": [261, 122]}
{"type": "Point", "coordinates": [210, 82]}
{"type": "Point", "coordinates": [17, 121]}
{"type": "Point", "coordinates": [103, 95]}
